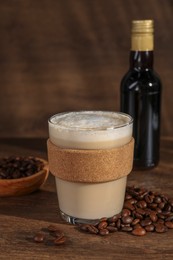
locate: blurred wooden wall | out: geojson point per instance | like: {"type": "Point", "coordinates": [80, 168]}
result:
{"type": "Point", "coordinates": [59, 55]}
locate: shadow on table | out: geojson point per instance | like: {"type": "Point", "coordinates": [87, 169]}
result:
{"type": "Point", "coordinates": [40, 205]}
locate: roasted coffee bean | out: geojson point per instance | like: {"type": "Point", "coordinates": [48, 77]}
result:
{"type": "Point", "coordinates": [125, 213]}
{"type": "Point", "coordinates": [118, 223]}
{"type": "Point", "coordinates": [143, 211]}
{"type": "Point", "coordinates": [161, 228]}
{"type": "Point", "coordinates": [60, 240]}
{"type": "Point", "coordinates": [157, 199]}
{"type": "Point", "coordinates": [135, 221]}
{"type": "Point", "coordinates": [148, 198]}
{"type": "Point", "coordinates": [127, 220]}
{"type": "Point", "coordinates": [114, 218]}
{"type": "Point", "coordinates": [140, 211]}
{"type": "Point", "coordinates": [128, 196]}
{"type": "Point", "coordinates": [149, 228]}
{"type": "Point", "coordinates": [104, 232]}
{"type": "Point", "coordinates": [112, 229]}
{"type": "Point", "coordinates": [103, 219]}
{"type": "Point", "coordinates": [161, 205]}
{"type": "Point", "coordinates": [145, 222]}
{"type": "Point", "coordinates": [169, 224]}
{"type": "Point", "coordinates": [142, 204]}
{"type": "Point", "coordinates": [19, 167]}
{"type": "Point", "coordinates": [152, 205]}
{"type": "Point", "coordinates": [92, 229]}
{"type": "Point", "coordinates": [127, 229]}
{"type": "Point", "coordinates": [128, 205]}
{"type": "Point", "coordinates": [53, 228]}
{"type": "Point", "coordinates": [171, 202]}
{"type": "Point", "coordinates": [102, 225]}
{"type": "Point", "coordinates": [39, 237]}
{"type": "Point", "coordinates": [153, 216]}
{"type": "Point", "coordinates": [139, 232]}
{"type": "Point", "coordinates": [170, 218]}
{"type": "Point", "coordinates": [137, 215]}
{"type": "Point", "coordinates": [137, 226]}
{"type": "Point", "coordinates": [167, 207]}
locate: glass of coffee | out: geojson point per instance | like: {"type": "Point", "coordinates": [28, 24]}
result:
{"type": "Point", "coordinates": [86, 150]}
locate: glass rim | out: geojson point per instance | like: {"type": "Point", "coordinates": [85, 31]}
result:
{"type": "Point", "coordinates": [91, 111]}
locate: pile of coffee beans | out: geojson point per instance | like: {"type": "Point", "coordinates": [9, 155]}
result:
{"type": "Point", "coordinates": [18, 167]}
{"type": "Point", "coordinates": [52, 235]}
{"type": "Point", "coordinates": [143, 211]}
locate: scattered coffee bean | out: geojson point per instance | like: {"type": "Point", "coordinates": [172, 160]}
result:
{"type": "Point", "coordinates": [19, 167]}
{"type": "Point", "coordinates": [104, 232]}
{"type": "Point", "coordinates": [102, 225]}
{"type": "Point", "coordinates": [143, 211]}
{"type": "Point", "coordinates": [60, 240]}
{"type": "Point", "coordinates": [149, 228]}
{"type": "Point", "coordinates": [169, 224]}
{"type": "Point", "coordinates": [51, 230]}
{"type": "Point", "coordinates": [160, 228]}
{"type": "Point", "coordinates": [39, 237]}
{"type": "Point", "coordinates": [139, 232]}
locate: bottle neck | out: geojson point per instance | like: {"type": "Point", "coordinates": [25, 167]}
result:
{"type": "Point", "coordinates": [141, 55]}
{"type": "Point", "coordinates": [141, 60]}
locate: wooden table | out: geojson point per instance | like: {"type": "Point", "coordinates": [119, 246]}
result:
{"type": "Point", "coordinates": [22, 217]}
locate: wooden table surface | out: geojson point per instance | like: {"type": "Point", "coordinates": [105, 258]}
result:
{"type": "Point", "coordinates": [21, 217]}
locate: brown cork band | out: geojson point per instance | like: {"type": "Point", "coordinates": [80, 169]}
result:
{"type": "Point", "coordinates": [92, 166]}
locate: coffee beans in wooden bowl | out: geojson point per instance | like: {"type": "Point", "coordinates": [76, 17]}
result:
{"type": "Point", "coordinates": [21, 175]}
{"type": "Point", "coordinates": [143, 211]}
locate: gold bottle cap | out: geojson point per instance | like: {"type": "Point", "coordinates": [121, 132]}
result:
{"type": "Point", "coordinates": [142, 26]}
{"type": "Point", "coordinates": [142, 35]}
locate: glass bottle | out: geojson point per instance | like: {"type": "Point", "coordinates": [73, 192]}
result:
{"type": "Point", "coordinates": [140, 95]}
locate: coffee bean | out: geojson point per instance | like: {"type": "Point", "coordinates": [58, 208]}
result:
{"type": "Point", "coordinates": [60, 241]}
{"type": "Point", "coordinates": [171, 202]}
{"type": "Point", "coordinates": [102, 225]}
{"type": "Point", "coordinates": [140, 211]}
{"type": "Point", "coordinates": [139, 232]}
{"type": "Point", "coordinates": [161, 228]}
{"type": "Point", "coordinates": [112, 229]}
{"type": "Point", "coordinates": [39, 237]}
{"type": "Point", "coordinates": [145, 222]}
{"type": "Point", "coordinates": [125, 212]}
{"type": "Point", "coordinates": [135, 221]}
{"type": "Point", "coordinates": [104, 232]}
{"type": "Point", "coordinates": [114, 218]}
{"type": "Point", "coordinates": [170, 218]}
{"type": "Point", "coordinates": [127, 229]}
{"type": "Point", "coordinates": [92, 229]}
{"type": "Point", "coordinates": [149, 228]}
{"type": "Point", "coordinates": [137, 226]}
{"type": "Point", "coordinates": [53, 228]}
{"type": "Point", "coordinates": [161, 205]}
{"type": "Point", "coordinates": [127, 220]}
{"type": "Point", "coordinates": [128, 205]}
{"type": "Point", "coordinates": [157, 199]}
{"type": "Point", "coordinates": [153, 216]}
{"type": "Point", "coordinates": [143, 211]}
{"type": "Point", "coordinates": [142, 204]}
{"type": "Point", "coordinates": [169, 224]}
{"type": "Point", "coordinates": [19, 167]}
{"type": "Point", "coordinates": [149, 199]}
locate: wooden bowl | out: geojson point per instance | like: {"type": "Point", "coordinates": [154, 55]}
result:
{"type": "Point", "coordinates": [25, 185]}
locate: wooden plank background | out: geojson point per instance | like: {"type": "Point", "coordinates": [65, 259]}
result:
{"type": "Point", "coordinates": [61, 55]}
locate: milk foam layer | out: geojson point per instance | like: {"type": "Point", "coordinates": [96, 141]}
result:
{"type": "Point", "coordinates": [90, 129]}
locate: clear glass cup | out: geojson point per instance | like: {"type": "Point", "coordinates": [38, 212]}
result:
{"type": "Point", "coordinates": [88, 202]}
